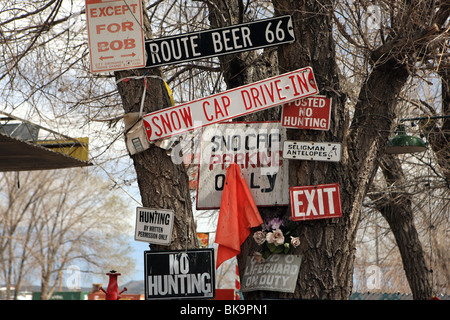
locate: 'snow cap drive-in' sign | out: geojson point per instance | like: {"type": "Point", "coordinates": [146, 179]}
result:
{"type": "Point", "coordinates": [312, 113]}
{"type": "Point", "coordinates": [220, 41]}
{"type": "Point", "coordinates": [116, 38]}
{"type": "Point", "coordinates": [315, 202]}
{"type": "Point", "coordinates": [230, 104]}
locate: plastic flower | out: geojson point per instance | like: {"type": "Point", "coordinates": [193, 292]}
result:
{"type": "Point", "coordinates": [295, 241]}
{"type": "Point", "coordinates": [269, 237]}
{"type": "Point", "coordinates": [258, 257]}
{"type": "Point", "coordinates": [278, 237]}
{"type": "Point", "coordinates": [260, 237]}
{"type": "Point", "coordinates": [275, 223]}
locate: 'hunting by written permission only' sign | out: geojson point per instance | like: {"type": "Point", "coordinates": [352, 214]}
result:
{"type": "Point", "coordinates": [230, 104]}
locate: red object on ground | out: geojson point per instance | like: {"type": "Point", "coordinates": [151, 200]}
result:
{"type": "Point", "coordinates": [112, 292]}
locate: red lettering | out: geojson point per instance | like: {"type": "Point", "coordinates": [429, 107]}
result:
{"type": "Point", "coordinates": [129, 43]}
{"type": "Point", "coordinates": [186, 116]}
{"type": "Point", "coordinates": [279, 90]}
{"type": "Point", "coordinates": [156, 125]}
{"type": "Point", "coordinates": [247, 106]}
{"type": "Point", "coordinates": [204, 111]}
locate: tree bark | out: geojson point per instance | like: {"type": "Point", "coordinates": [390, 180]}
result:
{"type": "Point", "coordinates": [396, 208]}
{"type": "Point", "coordinates": [162, 183]}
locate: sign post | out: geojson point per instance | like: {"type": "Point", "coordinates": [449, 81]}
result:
{"type": "Point", "coordinates": [179, 274]}
{"type": "Point", "coordinates": [116, 37]}
{"type": "Point", "coordinates": [230, 104]}
{"type": "Point", "coordinates": [318, 151]}
{"type": "Point", "coordinates": [315, 202]}
{"type": "Point", "coordinates": [154, 225]}
{"type": "Point", "coordinates": [311, 113]}
{"type": "Point", "coordinates": [220, 41]}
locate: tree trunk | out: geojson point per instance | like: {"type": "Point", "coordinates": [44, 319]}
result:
{"type": "Point", "coordinates": [395, 207]}
{"type": "Point", "coordinates": [328, 246]}
{"type": "Point", "coordinates": [162, 183]}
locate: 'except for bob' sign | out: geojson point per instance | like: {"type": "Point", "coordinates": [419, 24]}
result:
{"type": "Point", "coordinates": [278, 273]}
{"type": "Point", "coordinates": [179, 274]}
{"type": "Point", "coordinates": [315, 202]}
{"type": "Point", "coordinates": [154, 225]}
{"type": "Point", "coordinates": [116, 39]}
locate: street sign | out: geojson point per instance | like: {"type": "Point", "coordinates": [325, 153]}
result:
{"type": "Point", "coordinates": [220, 41]}
{"type": "Point", "coordinates": [116, 37]}
{"type": "Point", "coordinates": [318, 151]}
{"type": "Point", "coordinates": [179, 274]}
{"type": "Point", "coordinates": [279, 273]}
{"type": "Point", "coordinates": [230, 104]}
{"type": "Point", "coordinates": [256, 148]}
{"type": "Point", "coordinates": [315, 202]}
{"type": "Point", "coordinates": [154, 225]}
{"type": "Point", "coordinates": [311, 113]}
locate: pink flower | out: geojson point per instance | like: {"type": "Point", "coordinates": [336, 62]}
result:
{"type": "Point", "coordinates": [269, 237]}
{"type": "Point", "coordinates": [278, 237]}
{"type": "Point", "coordinates": [259, 237]}
{"type": "Point", "coordinates": [258, 257]}
{"type": "Point", "coordinates": [295, 241]}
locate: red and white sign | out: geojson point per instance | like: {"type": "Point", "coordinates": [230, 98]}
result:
{"type": "Point", "coordinates": [116, 37]}
{"type": "Point", "coordinates": [311, 113]}
{"type": "Point", "coordinates": [230, 104]}
{"type": "Point", "coordinates": [256, 147]}
{"type": "Point", "coordinates": [315, 202]}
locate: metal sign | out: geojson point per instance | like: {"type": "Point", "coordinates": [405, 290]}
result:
{"type": "Point", "coordinates": [220, 41]}
{"type": "Point", "coordinates": [315, 202]}
{"type": "Point", "coordinates": [230, 104]}
{"type": "Point", "coordinates": [311, 113]}
{"type": "Point", "coordinates": [116, 37]}
{"type": "Point", "coordinates": [279, 273]}
{"type": "Point", "coordinates": [179, 274]}
{"type": "Point", "coordinates": [256, 148]}
{"type": "Point", "coordinates": [318, 151]}
{"type": "Point", "coordinates": [154, 225]}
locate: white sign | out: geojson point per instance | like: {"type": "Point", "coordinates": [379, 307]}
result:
{"type": "Point", "coordinates": [319, 151]}
{"type": "Point", "coordinates": [116, 37]}
{"type": "Point", "coordinates": [154, 225]}
{"type": "Point", "coordinates": [279, 273]}
{"type": "Point", "coordinates": [256, 148]}
{"type": "Point", "coordinates": [230, 104]}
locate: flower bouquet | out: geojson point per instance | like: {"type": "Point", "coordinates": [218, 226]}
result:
{"type": "Point", "coordinates": [276, 236]}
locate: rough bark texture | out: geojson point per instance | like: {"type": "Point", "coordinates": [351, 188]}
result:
{"type": "Point", "coordinates": [328, 246]}
{"type": "Point", "coordinates": [396, 208]}
{"type": "Point", "coordinates": [162, 183]}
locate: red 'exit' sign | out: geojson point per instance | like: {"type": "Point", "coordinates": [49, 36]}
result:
{"type": "Point", "coordinates": [315, 202]}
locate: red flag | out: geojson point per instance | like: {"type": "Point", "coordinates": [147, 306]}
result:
{"type": "Point", "coordinates": [238, 213]}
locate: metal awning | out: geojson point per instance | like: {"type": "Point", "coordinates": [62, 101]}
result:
{"type": "Point", "coordinates": [22, 150]}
